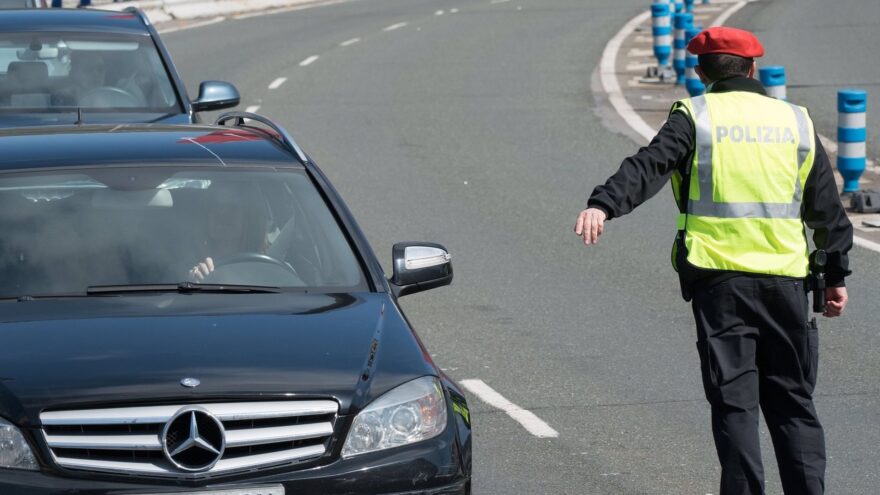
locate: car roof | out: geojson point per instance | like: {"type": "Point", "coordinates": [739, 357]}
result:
{"type": "Point", "coordinates": [71, 20]}
{"type": "Point", "coordinates": [141, 145]}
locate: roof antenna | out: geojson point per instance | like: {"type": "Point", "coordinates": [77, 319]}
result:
{"type": "Point", "coordinates": [79, 116]}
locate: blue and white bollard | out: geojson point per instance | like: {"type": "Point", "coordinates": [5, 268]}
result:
{"type": "Point", "coordinates": [689, 6]}
{"type": "Point", "coordinates": [661, 29]}
{"type": "Point", "coordinates": [851, 133]}
{"type": "Point", "coordinates": [773, 79]}
{"type": "Point", "coordinates": [681, 22]}
{"type": "Point", "coordinates": [692, 81]}
{"type": "Point", "coordinates": [679, 6]}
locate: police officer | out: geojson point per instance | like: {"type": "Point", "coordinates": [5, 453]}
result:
{"type": "Point", "coordinates": [747, 173]}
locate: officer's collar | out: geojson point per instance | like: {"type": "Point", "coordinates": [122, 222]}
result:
{"type": "Point", "coordinates": [737, 83]}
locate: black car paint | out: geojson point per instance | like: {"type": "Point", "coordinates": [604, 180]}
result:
{"type": "Point", "coordinates": [100, 350]}
{"type": "Point", "coordinates": [141, 145]}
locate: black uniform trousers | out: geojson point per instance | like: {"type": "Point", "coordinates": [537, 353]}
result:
{"type": "Point", "coordinates": [758, 348]}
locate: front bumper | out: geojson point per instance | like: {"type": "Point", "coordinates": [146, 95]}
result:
{"type": "Point", "coordinates": [432, 467]}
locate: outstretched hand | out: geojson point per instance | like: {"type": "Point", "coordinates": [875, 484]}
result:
{"type": "Point", "coordinates": [590, 224]}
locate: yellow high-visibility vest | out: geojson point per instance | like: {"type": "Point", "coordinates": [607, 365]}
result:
{"type": "Point", "coordinates": [744, 202]}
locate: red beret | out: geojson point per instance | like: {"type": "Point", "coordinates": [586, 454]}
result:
{"type": "Point", "coordinates": [720, 39]}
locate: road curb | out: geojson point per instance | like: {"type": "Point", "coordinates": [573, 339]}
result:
{"type": "Point", "coordinates": [637, 119]}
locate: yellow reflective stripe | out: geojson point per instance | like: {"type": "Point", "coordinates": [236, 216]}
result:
{"type": "Point", "coordinates": [681, 221]}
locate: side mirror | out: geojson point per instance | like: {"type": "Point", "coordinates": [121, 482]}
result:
{"type": "Point", "coordinates": [420, 266]}
{"type": "Point", "coordinates": [214, 95]}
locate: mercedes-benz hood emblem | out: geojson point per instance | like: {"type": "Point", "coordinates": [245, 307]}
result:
{"type": "Point", "coordinates": [193, 440]}
{"type": "Point", "coordinates": [190, 382]}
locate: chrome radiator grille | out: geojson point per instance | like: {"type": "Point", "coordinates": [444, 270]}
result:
{"type": "Point", "coordinates": [190, 440]}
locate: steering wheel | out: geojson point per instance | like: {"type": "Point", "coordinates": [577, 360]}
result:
{"type": "Point", "coordinates": [251, 257]}
{"type": "Point", "coordinates": [128, 80]}
{"type": "Point", "coordinates": [109, 96]}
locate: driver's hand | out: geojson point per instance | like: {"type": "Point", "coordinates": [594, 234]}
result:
{"type": "Point", "coordinates": [202, 270]}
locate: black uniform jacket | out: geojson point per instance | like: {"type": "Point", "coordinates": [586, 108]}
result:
{"type": "Point", "coordinates": [642, 175]}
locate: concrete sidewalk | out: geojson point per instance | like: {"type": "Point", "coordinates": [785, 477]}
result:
{"type": "Point", "coordinates": [652, 101]}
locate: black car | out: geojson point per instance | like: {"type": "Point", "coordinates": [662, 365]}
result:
{"type": "Point", "coordinates": [193, 309]}
{"type": "Point", "coordinates": [67, 66]}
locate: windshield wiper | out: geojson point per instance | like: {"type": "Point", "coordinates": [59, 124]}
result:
{"type": "Point", "coordinates": [183, 288]}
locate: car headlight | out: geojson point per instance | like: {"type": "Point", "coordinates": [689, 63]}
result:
{"type": "Point", "coordinates": [412, 412]}
{"type": "Point", "coordinates": [14, 450]}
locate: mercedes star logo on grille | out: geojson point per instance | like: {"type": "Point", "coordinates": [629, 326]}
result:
{"type": "Point", "coordinates": [193, 440]}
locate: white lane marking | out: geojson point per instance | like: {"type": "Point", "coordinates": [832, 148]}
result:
{"type": "Point", "coordinates": [277, 83]}
{"type": "Point", "coordinates": [453, 11]}
{"type": "Point", "coordinates": [611, 86]}
{"type": "Point", "coordinates": [350, 42]}
{"type": "Point", "coordinates": [865, 243]}
{"type": "Point", "coordinates": [527, 419]}
{"type": "Point", "coordinates": [493, 2]}
{"type": "Point", "coordinates": [395, 26]}
{"type": "Point", "coordinates": [308, 61]}
{"type": "Point", "coordinates": [252, 109]}
{"type": "Point", "coordinates": [439, 12]}
{"type": "Point", "coordinates": [638, 66]}
{"type": "Point", "coordinates": [640, 52]}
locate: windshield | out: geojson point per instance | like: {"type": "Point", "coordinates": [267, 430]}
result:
{"type": "Point", "coordinates": [95, 72]}
{"type": "Point", "coordinates": [64, 232]}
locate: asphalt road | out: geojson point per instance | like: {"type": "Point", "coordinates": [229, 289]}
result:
{"type": "Point", "coordinates": [477, 129]}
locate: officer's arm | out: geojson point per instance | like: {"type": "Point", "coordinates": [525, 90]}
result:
{"type": "Point", "coordinates": [642, 175]}
{"type": "Point", "coordinates": [824, 213]}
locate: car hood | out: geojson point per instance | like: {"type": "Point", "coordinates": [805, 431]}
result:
{"type": "Point", "coordinates": [133, 350]}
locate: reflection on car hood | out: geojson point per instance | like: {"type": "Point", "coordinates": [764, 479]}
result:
{"type": "Point", "coordinates": [115, 351]}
